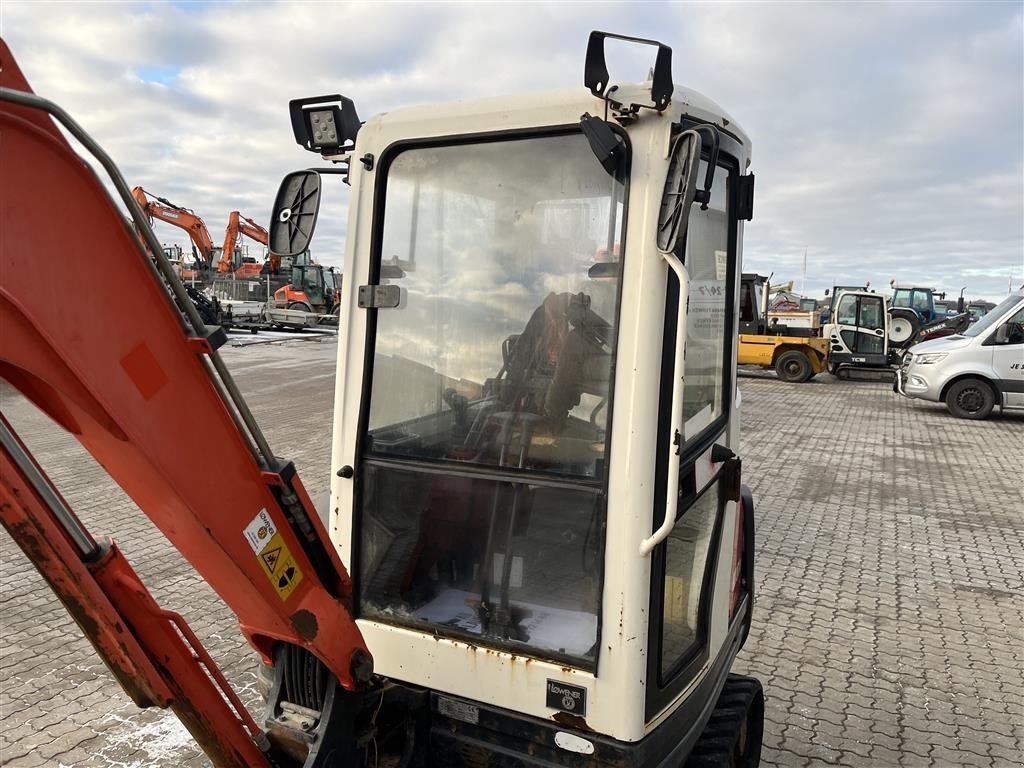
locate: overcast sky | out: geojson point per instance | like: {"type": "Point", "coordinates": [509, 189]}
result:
{"type": "Point", "coordinates": [888, 139]}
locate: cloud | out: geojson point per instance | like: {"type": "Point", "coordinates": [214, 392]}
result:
{"type": "Point", "coordinates": [887, 138]}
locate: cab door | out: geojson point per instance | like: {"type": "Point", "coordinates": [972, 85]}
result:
{"type": "Point", "coordinates": [1008, 359]}
{"type": "Point", "coordinates": [860, 321]}
{"type": "Point", "coordinates": [688, 626]}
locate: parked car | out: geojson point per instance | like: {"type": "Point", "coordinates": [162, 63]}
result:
{"type": "Point", "coordinates": [974, 371]}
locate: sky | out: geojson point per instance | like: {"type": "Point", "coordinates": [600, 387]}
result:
{"type": "Point", "coordinates": [888, 138]}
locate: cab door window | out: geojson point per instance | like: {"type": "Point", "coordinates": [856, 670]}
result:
{"type": "Point", "coordinates": [706, 258]}
{"type": "Point", "coordinates": [681, 567]}
{"type": "Point", "coordinates": [872, 320]}
{"type": "Point", "coordinates": [847, 312]}
{"type": "Point", "coordinates": [687, 555]}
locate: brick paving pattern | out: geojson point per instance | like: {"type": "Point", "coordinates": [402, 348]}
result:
{"type": "Point", "coordinates": [889, 623]}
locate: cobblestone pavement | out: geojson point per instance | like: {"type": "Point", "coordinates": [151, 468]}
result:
{"type": "Point", "coordinates": [889, 623]}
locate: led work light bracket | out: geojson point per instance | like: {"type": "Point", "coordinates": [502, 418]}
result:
{"type": "Point", "coordinates": [326, 125]}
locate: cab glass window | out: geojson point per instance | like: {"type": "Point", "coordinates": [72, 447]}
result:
{"type": "Point", "coordinates": [501, 353]}
{"type": "Point", "coordinates": [706, 257]}
{"type": "Point", "coordinates": [687, 551]}
{"type": "Point", "coordinates": [871, 312]}
{"type": "Point", "coordinates": [481, 505]}
{"type": "Point", "coordinates": [901, 298]}
{"type": "Point", "coordinates": [846, 314]}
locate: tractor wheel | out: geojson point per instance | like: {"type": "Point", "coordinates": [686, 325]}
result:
{"type": "Point", "coordinates": [793, 366]}
{"type": "Point", "coordinates": [732, 737]}
{"type": "Point", "coordinates": [903, 327]}
{"type": "Point", "coordinates": [300, 305]}
{"type": "Point", "coordinates": [970, 399]}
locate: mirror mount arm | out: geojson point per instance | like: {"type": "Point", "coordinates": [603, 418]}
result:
{"type": "Point", "coordinates": [709, 135]}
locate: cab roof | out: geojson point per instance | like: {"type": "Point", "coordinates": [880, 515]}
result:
{"type": "Point", "coordinates": [537, 109]}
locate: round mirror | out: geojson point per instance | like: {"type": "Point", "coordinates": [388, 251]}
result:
{"type": "Point", "coordinates": [680, 187]}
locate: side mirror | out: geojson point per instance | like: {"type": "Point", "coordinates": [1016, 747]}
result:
{"type": "Point", "coordinates": [607, 147]}
{"type": "Point", "coordinates": [680, 188]}
{"type": "Point", "coordinates": [293, 217]}
{"type": "Point", "coordinates": [1003, 333]}
{"type": "Point", "coordinates": [960, 305]}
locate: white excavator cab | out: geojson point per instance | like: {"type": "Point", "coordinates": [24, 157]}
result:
{"type": "Point", "coordinates": [536, 486]}
{"type": "Point", "coordinates": [860, 328]}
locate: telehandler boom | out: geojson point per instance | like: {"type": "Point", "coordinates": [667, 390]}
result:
{"type": "Point", "coordinates": [536, 483]}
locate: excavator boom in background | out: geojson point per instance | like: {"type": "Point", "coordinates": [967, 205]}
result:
{"type": "Point", "coordinates": [162, 209]}
{"type": "Point", "coordinates": [240, 225]}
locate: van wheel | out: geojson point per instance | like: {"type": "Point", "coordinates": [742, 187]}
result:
{"type": "Point", "coordinates": [793, 366]}
{"type": "Point", "coordinates": [970, 399]}
{"type": "Point", "coordinates": [732, 736]}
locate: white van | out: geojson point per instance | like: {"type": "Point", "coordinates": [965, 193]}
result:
{"type": "Point", "coordinates": [974, 371]}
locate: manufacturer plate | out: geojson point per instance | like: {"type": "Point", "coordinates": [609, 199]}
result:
{"type": "Point", "coordinates": [458, 710]}
{"type": "Point", "coordinates": [567, 698]}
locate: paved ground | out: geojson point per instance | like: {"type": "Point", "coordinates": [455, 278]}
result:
{"type": "Point", "coordinates": [889, 622]}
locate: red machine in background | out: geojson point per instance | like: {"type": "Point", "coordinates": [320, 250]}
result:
{"type": "Point", "coordinates": [311, 288]}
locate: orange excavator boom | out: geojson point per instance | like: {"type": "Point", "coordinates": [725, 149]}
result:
{"type": "Point", "coordinates": [238, 224]}
{"type": "Point", "coordinates": [164, 210]}
{"type": "Point", "coordinates": [249, 529]}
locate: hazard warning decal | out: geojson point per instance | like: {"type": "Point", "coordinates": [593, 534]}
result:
{"type": "Point", "coordinates": [277, 561]}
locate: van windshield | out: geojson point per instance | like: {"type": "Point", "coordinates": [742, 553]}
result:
{"type": "Point", "coordinates": [994, 316]}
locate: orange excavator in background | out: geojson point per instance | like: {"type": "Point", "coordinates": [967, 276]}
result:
{"type": "Point", "coordinates": [162, 209]}
{"type": "Point", "coordinates": [240, 225]}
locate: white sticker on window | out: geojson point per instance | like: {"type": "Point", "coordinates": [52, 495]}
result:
{"type": "Point", "coordinates": [721, 264]}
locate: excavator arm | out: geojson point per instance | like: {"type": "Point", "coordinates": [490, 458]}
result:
{"type": "Point", "coordinates": [238, 224]}
{"type": "Point", "coordinates": [164, 210]}
{"type": "Point", "coordinates": [249, 528]}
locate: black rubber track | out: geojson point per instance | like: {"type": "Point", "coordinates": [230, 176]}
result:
{"type": "Point", "coordinates": [741, 701]}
